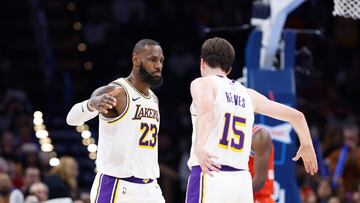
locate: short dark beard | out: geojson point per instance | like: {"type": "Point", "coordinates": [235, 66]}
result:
{"type": "Point", "coordinates": [148, 78]}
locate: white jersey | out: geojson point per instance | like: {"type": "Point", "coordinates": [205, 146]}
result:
{"type": "Point", "coordinates": [128, 144]}
{"type": "Point", "coordinates": [230, 137]}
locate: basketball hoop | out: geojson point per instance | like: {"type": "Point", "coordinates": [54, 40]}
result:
{"type": "Point", "coordinates": [347, 8]}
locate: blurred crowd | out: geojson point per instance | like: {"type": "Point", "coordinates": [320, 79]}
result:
{"type": "Point", "coordinates": [327, 77]}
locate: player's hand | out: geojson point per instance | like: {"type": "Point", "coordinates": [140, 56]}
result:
{"type": "Point", "coordinates": [104, 102]}
{"type": "Point", "coordinates": [206, 160]}
{"type": "Point", "coordinates": [307, 154]}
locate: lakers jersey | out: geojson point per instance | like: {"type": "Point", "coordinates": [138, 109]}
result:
{"type": "Point", "coordinates": [230, 137]}
{"type": "Point", "coordinates": [128, 144]}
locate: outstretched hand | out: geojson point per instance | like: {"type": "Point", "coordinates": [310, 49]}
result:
{"type": "Point", "coordinates": [206, 161]}
{"type": "Point", "coordinates": [106, 101]}
{"type": "Point", "coordinates": [307, 154]}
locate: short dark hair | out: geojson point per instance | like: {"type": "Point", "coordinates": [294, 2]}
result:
{"type": "Point", "coordinates": [142, 43]}
{"type": "Point", "coordinates": [218, 52]}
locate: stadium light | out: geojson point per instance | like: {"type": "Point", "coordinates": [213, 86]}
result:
{"type": "Point", "coordinates": [85, 134]}
{"type": "Point", "coordinates": [47, 147]}
{"type": "Point", "coordinates": [42, 134]}
{"type": "Point", "coordinates": [54, 162]}
{"type": "Point", "coordinates": [38, 121]}
{"type": "Point", "coordinates": [92, 147]}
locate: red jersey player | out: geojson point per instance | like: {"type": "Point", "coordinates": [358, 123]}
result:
{"type": "Point", "coordinates": [261, 165]}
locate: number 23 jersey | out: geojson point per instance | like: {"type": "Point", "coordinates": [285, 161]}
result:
{"type": "Point", "coordinates": [230, 136]}
{"type": "Point", "coordinates": [128, 144]}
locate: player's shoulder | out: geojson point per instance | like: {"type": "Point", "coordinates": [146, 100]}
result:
{"type": "Point", "coordinates": [209, 81]}
{"type": "Point", "coordinates": [196, 81]}
{"type": "Point", "coordinates": [110, 88]}
{"type": "Point", "coordinates": [153, 95]}
{"type": "Point", "coordinates": [262, 136]}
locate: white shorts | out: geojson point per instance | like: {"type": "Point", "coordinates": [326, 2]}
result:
{"type": "Point", "coordinates": [227, 186]}
{"type": "Point", "coordinates": [108, 189]}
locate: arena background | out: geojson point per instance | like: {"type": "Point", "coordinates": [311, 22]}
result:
{"type": "Point", "coordinates": [55, 53]}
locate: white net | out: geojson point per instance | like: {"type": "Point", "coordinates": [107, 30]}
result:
{"type": "Point", "coordinates": [347, 8]}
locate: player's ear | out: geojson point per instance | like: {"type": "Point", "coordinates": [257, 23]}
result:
{"type": "Point", "coordinates": [202, 63]}
{"type": "Point", "coordinates": [136, 60]}
{"type": "Point", "coordinates": [228, 72]}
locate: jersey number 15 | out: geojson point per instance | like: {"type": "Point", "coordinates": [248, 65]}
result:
{"type": "Point", "coordinates": [237, 140]}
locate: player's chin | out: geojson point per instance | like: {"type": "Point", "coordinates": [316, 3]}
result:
{"type": "Point", "coordinates": [156, 76]}
{"type": "Point", "coordinates": [156, 81]}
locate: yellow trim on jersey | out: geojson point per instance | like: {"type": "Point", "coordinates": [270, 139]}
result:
{"type": "Point", "coordinates": [127, 105]}
{"type": "Point", "coordinates": [237, 150]}
{"type": "Point", "coordinates": [203, 188]}
{"type": "Point", "coordinates": [98, 188]}
{"type": "Point", "coordinates": [146, 147]}
{"type": "Point", "coordinates": [241, 124]}
{"type": "Point", "coordinates": [143, 95]}
{"type": "Point", "coordinates": [223, 146]}
{"type": "Point", "coordinates": [116, 191]}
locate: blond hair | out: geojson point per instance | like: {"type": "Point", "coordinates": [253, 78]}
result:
{"type": "Point", "coordinates": [65, 171]}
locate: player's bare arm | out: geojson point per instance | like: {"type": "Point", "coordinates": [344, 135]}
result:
{"type": "Point", "coordinates": [262, 144]}
{"type": "Point", "coordinates": [102, 99]}
{"type": "Point", "coordinates": [109, 100]}
{"type": "Point", "coordinates": [203, 92]}
{"type": "Point", "coordinates": [297, 119]}
{"type": "Point", "coordinates": [89, 109]}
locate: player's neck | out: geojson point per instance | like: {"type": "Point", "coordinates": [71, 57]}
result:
{"type": "Point", "coordinates": [137, 82]}
{"type": "Point", "coordinates": [214, 71]}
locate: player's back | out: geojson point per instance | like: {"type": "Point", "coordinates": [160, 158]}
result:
{"type": "Point", "coordinates": [230, 137]}
{"type": "Point", "coordinates": [128, 143]}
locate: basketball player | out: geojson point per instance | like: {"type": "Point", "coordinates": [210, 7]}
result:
{"type": "Point", "coordinates": [261, 165]}
{"type": "Point", "coordinates": [223, 116]}
{"type": "Point", "coordinates": [127, 159]}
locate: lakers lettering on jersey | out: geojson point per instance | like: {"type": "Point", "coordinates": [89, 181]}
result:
{"type": "Point", "coordinates": [230, 138]}
{"type": "Point", "coordinates": [127, 144]}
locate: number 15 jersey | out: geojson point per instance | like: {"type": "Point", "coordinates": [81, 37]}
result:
{"type": "Point", "coordinates": [230, 137]}
{"type": "Point", "coordinates": [128, 144]}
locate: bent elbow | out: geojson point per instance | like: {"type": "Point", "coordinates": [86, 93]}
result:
{"type": "Point", "coordinates": [300, 116]}
{"type": "Point", "coordinates": [262, 182]}
{"type": "Point", "coordinates": [258, 182]}
{"type": "Point", "coordinates": [70, 121]}
{"type": "Point", "coordinates": [296, 116]}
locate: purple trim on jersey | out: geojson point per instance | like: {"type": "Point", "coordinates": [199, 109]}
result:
{"type": "Point", "coordinates": [197, 169]}
{"type": "Point", "coordinates": [107, 186]}
{"type": "Point", "coordinates": [193, 188]}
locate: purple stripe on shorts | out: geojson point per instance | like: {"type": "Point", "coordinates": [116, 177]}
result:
{"type": "Point", "coordinates": [107, 185]}
{"type": "Point", "coordinates": [193, 190]}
